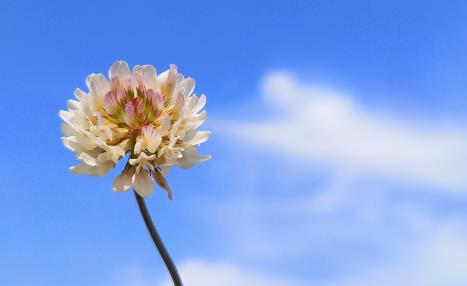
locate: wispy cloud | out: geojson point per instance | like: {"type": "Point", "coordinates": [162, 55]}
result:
{"type": "Point", "coordinates": [325, 125]}
{"type": "Point", "coordinates": [198, 272]}
{"type": "Point", "coordinates": [436, 260]}
{"type": "Point", "coordinates": [421, 250]}
{"type": "Point", "coordinates": [201, 272]}
{"type": "Point", "coordinates": [371, 210]}
{"type": "Point", "coordinates": [383, 243]}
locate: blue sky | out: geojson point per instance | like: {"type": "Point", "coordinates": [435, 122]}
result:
{"type": "Point", "coordinates": [339, 140]}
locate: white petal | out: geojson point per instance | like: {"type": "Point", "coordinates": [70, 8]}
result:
{"type": "Point", "coordinates": [66, 116]}
{"type": "Point", "coordinates": [143, 184]}
{"type": "Point", "coordinates": [164, 127]}
{"type": "Point", "coordinates": [68, 130]}
{"type": "Point", "coordinates": [120, 69]}
{"type": "Point", "coordinates": [179, 77]}
{"type": "Point", "coordinates": [87, 159]}
{"type": "Point", "coordinates": [98, 84]}
{"type": "Point", "coordinates": [122, 182]}
{"type": "Point", "coordinates": [149, 75]}
{"type": "Point", "coordinates": [188, 160]}
{"type": "Point", "coordinates": [165, 170]}
{"type": "Point", "coordinates": [189, 85]}
{"type": "Point", "coordinates": [80, 94]}
{"type": "Point", "coordinates": [73, 104]}
{"type": "Point", "coordinates": [72, 144]}
{"type": "Point", "coordinates": [154, 142]}
{"type": "Point", "coordinates": [199, 137]}
{"type": "Point", "coordinates": [83, 169]}
{"type": "Point", "coordinates": [150, 157]}
{"type": "Point", "coordinates": [162, 78]}
{"type": "Point", "coordinates": [200, 104]}
{"type": "Point", "coordinates": [137, 147]}
{"type": "Point", "coordinates": [89, 143]}
{"type": "Point", "coordinates": [162, 182]}
{"type": "Point", "coordinates": [135, 161]}
{"type": "Point", "coordinates": [196, 120]}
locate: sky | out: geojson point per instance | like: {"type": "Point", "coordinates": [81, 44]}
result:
{"type": "Point", "coordinates": [339, 144]}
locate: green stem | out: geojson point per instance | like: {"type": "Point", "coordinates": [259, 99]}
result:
{"type": "Point", "coordinates": [157, 241]}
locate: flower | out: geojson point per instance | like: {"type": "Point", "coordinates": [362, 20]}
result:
{"type": "Point", "coordinates": [153, 118]}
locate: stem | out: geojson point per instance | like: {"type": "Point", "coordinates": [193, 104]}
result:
{"type": "Point", "coordinates": [157, 241]}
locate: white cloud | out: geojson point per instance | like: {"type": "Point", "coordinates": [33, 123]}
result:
{"type": "Point", "coordinates": [200, 272]}
{"type": "Point", "coordinates": [435, 256]}
{"type": "Point", "coordinates": [439, 259]}
{"type": "Point", "coordinates": [197, 272]}
{"type": "Point", "coordinates": [319, 124]}
{"type": "Point", "coordinates": [411, 246]}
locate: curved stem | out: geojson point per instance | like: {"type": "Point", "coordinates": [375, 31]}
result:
{"type": "Point", "coordinates": [157, 241]}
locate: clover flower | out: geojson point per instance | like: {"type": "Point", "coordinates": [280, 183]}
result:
{"type": "Point", "coordinates": [152, 118]}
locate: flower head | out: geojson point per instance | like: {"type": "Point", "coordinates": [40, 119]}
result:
{"type": "Point", "coordinates": [153, 118]}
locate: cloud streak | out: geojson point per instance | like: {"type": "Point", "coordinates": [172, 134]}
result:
{"type": "Point", "coordinates": [324, 125]}
{"type": "Point", "coordinates": [436, 260]}
{"type": "Point", "coordinates": [201, 272]}
{"type": "Point", "coordinates": [197, 272]}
